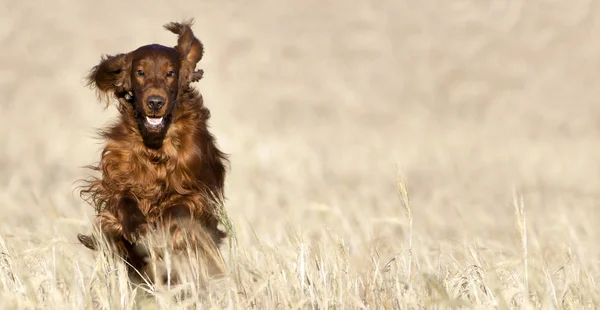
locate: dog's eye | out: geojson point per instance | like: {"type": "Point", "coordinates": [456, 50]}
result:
{"type": "Point", "coordinates": [170, 73]}
{"type": "Point", "coordinates": [140, 72]}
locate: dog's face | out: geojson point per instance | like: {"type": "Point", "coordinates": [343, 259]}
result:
{"type": "Point", "coordinates": [150, 79]}
{"type": "Point", "coordinates": [154, 80]}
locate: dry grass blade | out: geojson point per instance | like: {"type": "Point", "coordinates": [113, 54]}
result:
{"type": "Point", "coordinates": [403, 191]}
{"type": "Point", "coordinates": [522, 226]}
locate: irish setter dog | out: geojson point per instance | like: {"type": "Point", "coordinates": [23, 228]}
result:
{"type": "Point", "coordinates": [161, 167]}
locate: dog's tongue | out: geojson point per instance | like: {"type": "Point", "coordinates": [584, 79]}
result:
{"type": "Point", "coordinates": [154, 121]}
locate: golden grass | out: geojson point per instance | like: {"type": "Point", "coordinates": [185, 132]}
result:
{"type": "Point", "coordinates": [317, 272]}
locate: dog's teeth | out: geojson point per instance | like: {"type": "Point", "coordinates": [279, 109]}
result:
{"type": "Point", "coordinates": [154, 121]}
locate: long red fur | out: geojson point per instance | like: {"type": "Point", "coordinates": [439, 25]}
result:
{"type": "Point", "coordinates": [188, 171]}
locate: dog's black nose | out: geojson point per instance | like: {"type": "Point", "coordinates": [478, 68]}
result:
{"type": "Point", "coordinates": [155, 102]}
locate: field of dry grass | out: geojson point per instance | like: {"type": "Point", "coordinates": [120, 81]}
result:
{"type": "Point", "coordinates": [482, 115]}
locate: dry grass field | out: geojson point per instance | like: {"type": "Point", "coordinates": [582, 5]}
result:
{"type": "Point", "coordinates": [388, 154]}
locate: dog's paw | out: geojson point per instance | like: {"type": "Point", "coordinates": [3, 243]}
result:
{"type": "Point", "coordinates": [88, 241]}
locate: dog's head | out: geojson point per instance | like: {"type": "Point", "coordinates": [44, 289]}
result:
{"type": "Point", "coordinates": [151, 79]}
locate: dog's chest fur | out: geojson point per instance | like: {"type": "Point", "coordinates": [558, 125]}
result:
{"type": "Point", "coordinates": [153, 177]}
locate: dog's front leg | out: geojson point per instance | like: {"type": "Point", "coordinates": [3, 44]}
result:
{"type": "Point", "coordinates": [128, 223]}
{"type": "Point", "coordinates": [189, 234]}
{"type": "Point", "coordinates": [178, 222]}
{"type": "Point", "coordinates": [108, 225]}
{"type": "Point", "coordinates": [184, 226]}
{"type": "Point", "coordinates": [133, 221]}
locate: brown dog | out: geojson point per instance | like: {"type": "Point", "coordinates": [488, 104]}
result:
{"type": "Point", "coordinates": [160, 168]}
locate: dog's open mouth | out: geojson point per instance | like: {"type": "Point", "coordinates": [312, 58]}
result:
{"type": "Point", "coordinates": [154, 122]}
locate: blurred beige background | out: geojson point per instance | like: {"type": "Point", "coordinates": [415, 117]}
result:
{"type": "Point", "coordinates": [320, 104]}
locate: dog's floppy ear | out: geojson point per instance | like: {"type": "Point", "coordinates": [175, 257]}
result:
{"type": "Point", "coordinates": [190, 48]}
{"type": "Point", "coordinates": [111, 75]}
